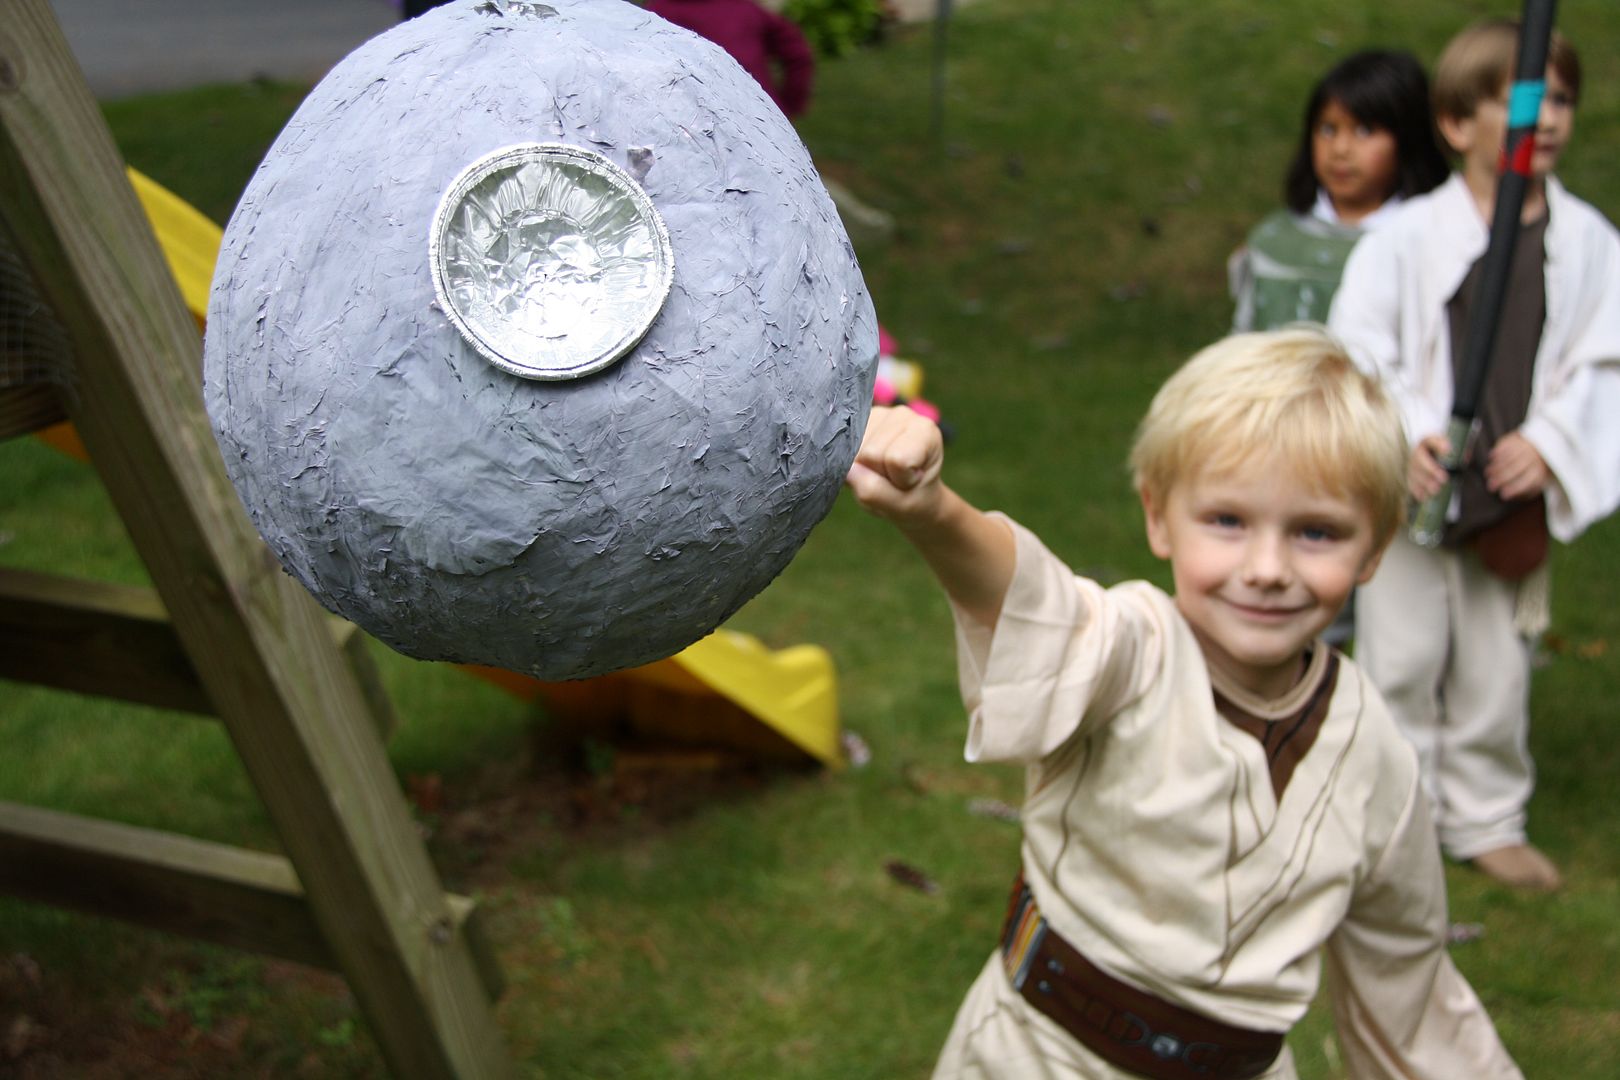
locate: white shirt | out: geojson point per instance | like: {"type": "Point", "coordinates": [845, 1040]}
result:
{"type": "Point", "coordinates": [1323, 210]}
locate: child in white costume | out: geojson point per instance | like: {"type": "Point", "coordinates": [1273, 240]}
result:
{"type": "Point", "coordinates": [1445, 633]}
{"type": "Point", "coordinates": [1213, 795]}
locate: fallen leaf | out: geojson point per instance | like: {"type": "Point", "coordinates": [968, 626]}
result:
{"type": "Point", "coordinates": [27, 968]}
{"type": "Point", "coordinates": [910, 876]}
{"type": "Point", "coordinates": [993, 808]}
{"type": "Point", "coordinates": [23, 1035]}
{"type": "Point", "coordinates": [228, 1034]}
{"type": "Point", "coordinates": [915, 779]}
{"type": "Point", "coordinates": [426, 792]}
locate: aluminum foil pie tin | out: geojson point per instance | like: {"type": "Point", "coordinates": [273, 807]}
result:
{"type": "Point", "coordinates": [549, 259]}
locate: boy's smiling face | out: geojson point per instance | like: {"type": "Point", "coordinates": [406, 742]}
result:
{"type": "Point", "coordinates": [1262, 562]}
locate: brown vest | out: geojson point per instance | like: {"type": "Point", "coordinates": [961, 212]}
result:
{"type": "Point", "coordinates": [1504, 401]}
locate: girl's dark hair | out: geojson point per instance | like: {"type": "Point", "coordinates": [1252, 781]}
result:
{"type": "Point", "coordinates": [1381, 88]}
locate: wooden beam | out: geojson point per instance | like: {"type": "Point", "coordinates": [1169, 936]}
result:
{"type": "Point", "coordinates": [292, 705]}
{"type": "Point", "coordinates": [227, 895]}
{"type": "Point", "coordinates": [356, 649]}
{"type": "Point", "coordinates": [116, 641]}
{"type": "Point", "coordinates": [95, 638]}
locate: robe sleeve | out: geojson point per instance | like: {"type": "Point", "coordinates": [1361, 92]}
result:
{"type": "Point", "coordinates": [1402, 1008]}
{"type": "Point", "coordinates": [1572, 421]}
{"type": "Point", "coordinates": [1063, 652]}
{"type": "Point", "coordinates": [1366, 317]}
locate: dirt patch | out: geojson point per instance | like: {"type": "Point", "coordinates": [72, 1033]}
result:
{"type": "Point", "coordinates": [571, 791]}
{"type": "Point", "coordinates": [172, 1009]}
{"type": "Point", "coordinates": [188, 1019]}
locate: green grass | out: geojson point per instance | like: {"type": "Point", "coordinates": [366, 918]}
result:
{"type": "Point", "coordinates": [1058, 253]}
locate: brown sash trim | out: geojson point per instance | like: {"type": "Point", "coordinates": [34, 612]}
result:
{"type": "Point", "coordinates": [1287, 740]}
{"type": "Point", "coordinates": [1128, 1027]}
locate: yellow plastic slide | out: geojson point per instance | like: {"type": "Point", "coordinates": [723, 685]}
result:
{"type": "Point", "coordinates": [721, 689]}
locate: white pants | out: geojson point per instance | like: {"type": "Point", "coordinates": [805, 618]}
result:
{"type": "Point", "coordinates": [1435, 633]}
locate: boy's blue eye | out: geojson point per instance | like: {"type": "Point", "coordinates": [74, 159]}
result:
{"type": "Point", "coordinates": [1225, 521]}
{"type": "Point", "coordinates": [1318, 533]}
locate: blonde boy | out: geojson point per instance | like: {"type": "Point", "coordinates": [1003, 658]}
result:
{"type": "Point", "coordinates": [1213, 795]}
{"type": "Point", "coordinates": [1444, 633]}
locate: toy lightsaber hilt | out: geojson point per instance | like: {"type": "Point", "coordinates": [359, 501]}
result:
{"type": "Point", "coordinates": [1428, 522]}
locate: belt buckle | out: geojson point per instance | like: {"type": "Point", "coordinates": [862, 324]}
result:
{"type": "Point", "coordinates": [1170, 1047]}
{"type": "Point", "coordinates": [1167, 1046]}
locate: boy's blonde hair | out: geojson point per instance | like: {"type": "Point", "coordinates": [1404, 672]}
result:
{"type": "Point", "coordinates": [1291, 395]}
{"type": "Point", "coordinates": [1477, 65]}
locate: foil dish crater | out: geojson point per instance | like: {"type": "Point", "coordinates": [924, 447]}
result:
{"type": "Point", "coordinates": [549, 259]}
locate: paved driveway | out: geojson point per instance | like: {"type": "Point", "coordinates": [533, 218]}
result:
{"type": "Point", "coordinates": [135, 46]}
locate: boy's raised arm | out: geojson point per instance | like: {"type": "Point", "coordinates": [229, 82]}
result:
{"type": "Point", "coordinates": [896, 475]}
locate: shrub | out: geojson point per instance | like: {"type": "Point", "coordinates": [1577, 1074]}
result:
{"type": "Point", "coordinates": [836, 27]}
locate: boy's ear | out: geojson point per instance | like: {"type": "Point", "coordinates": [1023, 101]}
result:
{"type": "Point", "coordinates": [1153, 514]}
{"type": "Point", "coordinates": [1370, 566]}
{"type": "Point", "coordinates": [1458, 131]}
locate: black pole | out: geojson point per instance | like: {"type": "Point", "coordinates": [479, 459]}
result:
{"type": "Point", "coordinates": [1513, 178]}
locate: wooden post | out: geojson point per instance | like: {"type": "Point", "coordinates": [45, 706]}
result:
{"type": "Point", "coordinates": [258, 642]}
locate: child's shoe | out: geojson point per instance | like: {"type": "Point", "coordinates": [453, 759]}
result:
{"type": "Point", "coordinates": [1520, 866]}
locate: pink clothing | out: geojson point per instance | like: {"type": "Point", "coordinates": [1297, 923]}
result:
{"type": "Point", "coordinates": [759, 40]}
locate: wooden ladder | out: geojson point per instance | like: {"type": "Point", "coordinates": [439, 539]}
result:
{"type": "Point", "coordinates": [225, 630]}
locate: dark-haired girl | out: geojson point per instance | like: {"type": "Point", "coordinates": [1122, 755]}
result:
{"type": "Point", "coordinates": [1368, 143]}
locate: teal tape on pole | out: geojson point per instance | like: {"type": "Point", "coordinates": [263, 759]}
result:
{"type": "Point", "coordinates": [1524, 103]}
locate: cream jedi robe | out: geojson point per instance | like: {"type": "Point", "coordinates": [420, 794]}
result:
{"type": "Point", "coordinates": [1390, 312]}
{"type": "Point", "coordinates": [1154, 845]}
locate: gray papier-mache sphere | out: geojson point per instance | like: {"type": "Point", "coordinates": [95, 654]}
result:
{"type": "Point", "coordinates": [563, 527]}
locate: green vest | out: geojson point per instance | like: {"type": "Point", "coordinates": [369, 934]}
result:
{"type": "Point", "coordinates": [1293, 267]}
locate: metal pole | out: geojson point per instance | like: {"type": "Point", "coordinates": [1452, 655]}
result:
{"type": "Point", "coordinates": [936, 121]}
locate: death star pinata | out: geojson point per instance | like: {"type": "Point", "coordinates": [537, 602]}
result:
{"type": "Point", "coordinates": [536, 341]}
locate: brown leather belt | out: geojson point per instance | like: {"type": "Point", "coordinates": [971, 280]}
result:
{"type": "Point", "coordinates": [1119, 1023]}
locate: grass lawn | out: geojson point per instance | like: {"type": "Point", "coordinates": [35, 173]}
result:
{"type": "Point", "coordinates": [1059, 250]}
